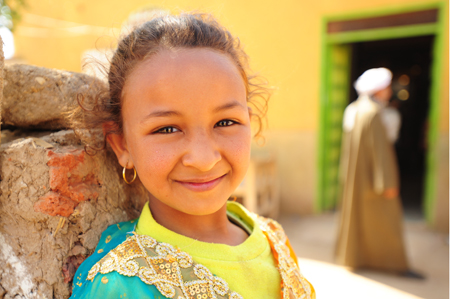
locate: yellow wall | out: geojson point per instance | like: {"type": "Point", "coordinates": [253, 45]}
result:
{"type": "Point", "coordinates": [282, 38]}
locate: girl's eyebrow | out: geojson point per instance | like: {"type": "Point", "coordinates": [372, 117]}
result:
{"type": "Point", "coordinates": [167, 113]}
{"type": "Point", "coordinates": [161, 113]}
{"type": "Point", "coordinates": [230, 105]}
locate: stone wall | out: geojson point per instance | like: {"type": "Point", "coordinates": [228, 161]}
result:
{"type": "Point", "coordinates": [56, 199]}
{"type": "Point", "coordinates": [37, 97]}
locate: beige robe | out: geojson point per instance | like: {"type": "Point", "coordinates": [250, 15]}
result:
{"type": "Point", "coordinates": [370, 229]}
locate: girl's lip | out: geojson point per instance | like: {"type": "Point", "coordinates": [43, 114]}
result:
{"type": "Point", "coordinates": [202, 186]}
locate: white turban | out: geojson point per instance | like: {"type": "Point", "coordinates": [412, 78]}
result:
{"type": "Point", "coordinates": [373, 80]}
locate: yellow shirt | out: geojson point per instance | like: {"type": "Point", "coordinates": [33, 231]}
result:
{"type": "Point", "coordinates": [249, 268]}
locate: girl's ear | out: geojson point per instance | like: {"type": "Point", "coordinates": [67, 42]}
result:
{"type": "Point", "coordinates": [118, 144]}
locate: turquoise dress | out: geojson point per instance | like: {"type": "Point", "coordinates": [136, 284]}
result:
{"type": "Point", "coordinates": [127, 264]}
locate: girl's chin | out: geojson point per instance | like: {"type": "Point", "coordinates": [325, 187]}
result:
{"type": "Point", "coordinates": [202, 209]}
{"type": "Point", "coordinates": [191, 204]}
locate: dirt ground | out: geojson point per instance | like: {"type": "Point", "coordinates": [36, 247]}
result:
{"type": "Point", "coordinates": [313, 239]}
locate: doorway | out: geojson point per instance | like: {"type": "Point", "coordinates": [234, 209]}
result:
{"type": "Point", "coordinates": [410, 60]}
{"type": "Point", "coordinates": [414, 32]}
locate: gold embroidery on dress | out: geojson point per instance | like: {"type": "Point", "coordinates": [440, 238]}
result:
{"type": "Point", "coordinates": [173, 272]}
{"type": "Point", "coordinates": [294, 284]}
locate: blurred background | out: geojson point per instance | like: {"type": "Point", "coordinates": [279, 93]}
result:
{"type": "Point", "coordinates": [311, 52]}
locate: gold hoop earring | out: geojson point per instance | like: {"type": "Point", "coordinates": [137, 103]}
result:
{"type": "Point", "coordinates": [125, 177]}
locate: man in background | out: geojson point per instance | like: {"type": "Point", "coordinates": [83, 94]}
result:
{"type": "Point", "coordinates": [370, 230]}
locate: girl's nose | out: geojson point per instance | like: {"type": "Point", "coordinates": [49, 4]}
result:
{"type": "Point", "coordinates": [202, 153]}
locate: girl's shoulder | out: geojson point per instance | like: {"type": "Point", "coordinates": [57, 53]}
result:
{"type": "Point", "coordinates": [110, 239]}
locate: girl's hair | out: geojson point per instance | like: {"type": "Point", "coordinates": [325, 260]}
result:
{"type": "Point", "coordinates": [186, 30]}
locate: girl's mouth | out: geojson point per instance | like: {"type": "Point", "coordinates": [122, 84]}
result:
{"type": "Point", "coordinates": [201, 186]}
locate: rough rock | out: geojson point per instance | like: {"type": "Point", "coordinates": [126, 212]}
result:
{"type": "Point", "coordinates": [10, 135]}
{"type": "Point", "coordinates": [36, 97]}
{"type": "Point", "coordinates": [55, 202]}
{"type": "Point", "coordinates": [2, 66]}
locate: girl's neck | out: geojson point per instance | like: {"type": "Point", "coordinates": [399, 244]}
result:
{"type": "Point", "coordinates": [213, 228]}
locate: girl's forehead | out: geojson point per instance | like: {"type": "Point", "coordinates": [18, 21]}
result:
{"type": "Point", "coordinates": [189, 74]}
{"type": "Point", "coordinates": [183, 60]}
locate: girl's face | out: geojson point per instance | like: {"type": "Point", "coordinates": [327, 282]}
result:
{"type": "Point", "coordinates": [186, 128]}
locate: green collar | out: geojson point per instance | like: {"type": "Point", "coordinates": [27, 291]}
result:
{"type": "Point", "coordinates": [249, 249]}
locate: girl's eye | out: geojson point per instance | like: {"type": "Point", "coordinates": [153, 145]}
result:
{"type": "Point", "coordinates": [166, 130]}
{"type": "Point", "coordinates": [225, 123]}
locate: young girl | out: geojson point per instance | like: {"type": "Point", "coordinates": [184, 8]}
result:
{"type": "Point", "coordinates": [177, 116]}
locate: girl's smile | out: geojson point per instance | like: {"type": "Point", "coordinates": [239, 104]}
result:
{"type": "Point", "coordinates": [199, 185]}
{"type": "Point", "coordinates": [186, 129]}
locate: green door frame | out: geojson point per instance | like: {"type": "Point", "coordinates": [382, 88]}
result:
{"type": "Point", "coordinates": [324, 199]}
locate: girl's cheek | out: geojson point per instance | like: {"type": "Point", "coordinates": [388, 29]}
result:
{"type": "Point", "coordinates": [240, 147]}
{"type": "Point", "coordinates": [163, 162]}
{"type": "Point", "coordinates": [159, 157]}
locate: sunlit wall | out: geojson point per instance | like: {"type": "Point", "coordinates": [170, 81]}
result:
{"type": "Point", "coordinates": [282, 38]}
